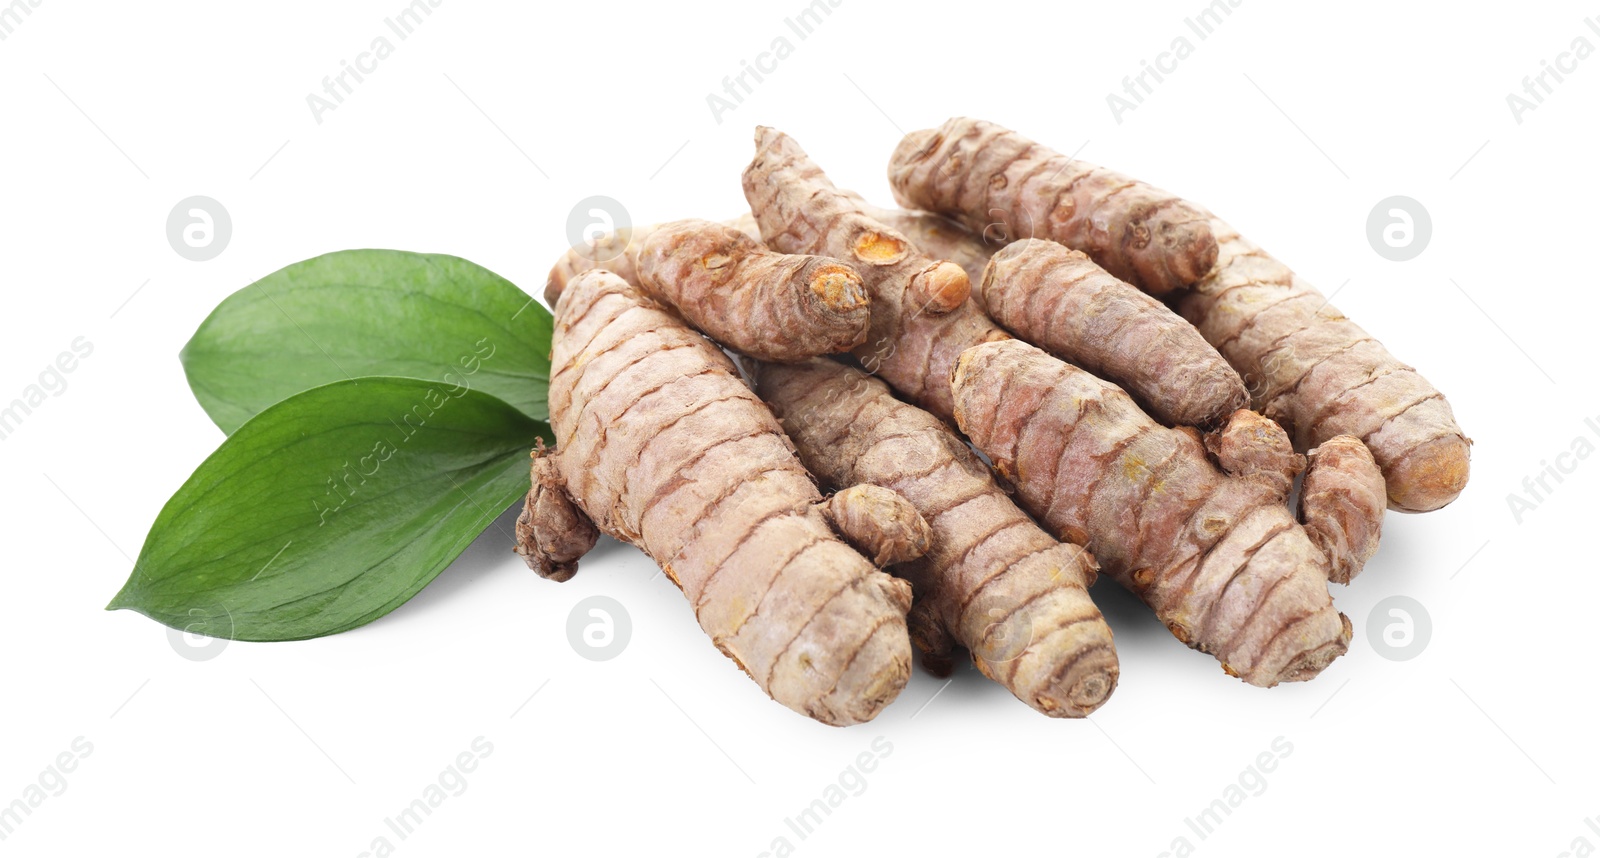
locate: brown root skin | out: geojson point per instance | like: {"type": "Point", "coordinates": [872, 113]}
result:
{"type": "Point", "coordinates": [1220, 559]}
{"type": "Point", "coordinates": [931, 638]}
{"type": "Point", "coordinates": [1061, 301]}
{"type": "Point", "coordinates": [1253, 446]}
{"type": "Point", "coordinates": [939, 237]}
{"type": "Point", "coordinates": [552, 533]}
{"type": "Point", "coordinates": [662, 445]}
{"type": "Point", "coordinates": [767, 305]}
{"type": "Point", "coordinates": [918, 324]}
{"type": "Point", "coordinates": [608, 253]}
{"type": "Point", "coordinates": [879, 522]}
{"type": "Point", "coordinates": [1307, 366]}
{"type": "Point", "coordinates": [1005, 187]}
{"type": "Point", "coordinates": [1341, 505]}
{"type": "Point", "coordinates": [991, 581]}
{"type": "Point", "coordinates": [1321, 375]}
{"type": "Point", "coordinates": [935, 235]}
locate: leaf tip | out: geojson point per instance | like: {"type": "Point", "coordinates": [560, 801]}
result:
{"type": "Point", "coordinates": [127, 598]}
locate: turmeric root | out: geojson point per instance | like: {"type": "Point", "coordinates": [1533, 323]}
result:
{"type": "Point", "coordinates": [1059, 300]}
{"type": "Point", "coordinates": [1341, 500]}
{"type": "Point", "coordinates": [1306, 365]}
{"type": "Point", "coordinates": [880, 522]}
{"type": "Point", "coordinates": [992, 580]}
{"type": "Point", "coordinates": [1220, 559]}
{"type": "Point", "coordinates": [921, 313]}
{"type": "Point", "coordinates": [662, 445]}
{"type": "Point", "coordinates": [552, 533]}
{"type": "Point", "coordinates": [1320, 375]}
{"type": "Point", "coordinates": [1253, 446]}
{"type": "Point", "coordinates": [608, 253]}
{"type": "Point", "coordinates": [1005, 187]}
{"type": "Point", "coordinates": [937, 236]}
{"type": "Point", "coordinates": [931, 286]}
{"type": "Point", "coordinates": [1342, 503]}
{"type": "Point", "coordinates": [767, 305]}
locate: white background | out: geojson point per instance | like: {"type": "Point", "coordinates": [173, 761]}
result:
{"type": "Point", "coordinates": [479, 135]}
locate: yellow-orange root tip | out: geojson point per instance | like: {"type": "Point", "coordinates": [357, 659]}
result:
{"type": "Point", "coordinates": [840, 289]}
{"type": "Point", "coordinates": [1430, 476]}
{"type": "Point", "coordinates": [943, 288]}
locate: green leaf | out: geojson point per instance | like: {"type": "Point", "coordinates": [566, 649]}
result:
{"type": "Point", "coordinates": [370, 312]}
{"type": "Point", "coordinates": [331, 509]}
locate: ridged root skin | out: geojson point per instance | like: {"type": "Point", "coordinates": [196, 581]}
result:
{"type": "Point", "coordinates": [1320, 375]}
{"type": "Point", "coordinates": [939, 237]}
{"type": "Point", "coordinates": [879, 522]}
{"type": "Point", "coordinates": [991, 581]}
{"type": "Point", "coordinates": [1342, 504]}
{"type": "Point", "coordinates": [1304, 363]}
{"type": "Point", "coordinates": [663, 446]}
{"type": "Point", "coordinates": [1006, 187]}
{"type": "Point", "coordinates": [768, 305]}
{"type": "Point", "coordinates": [921, 314]}
{"type": "Point", "coordinates": [1220, 559]}
{"type": "Point", "coordinates": [609, 252]}
{"type": "Point", "coordinates": [1061, 301]}
{"type": "Point", "coordinates": [552, 533]}
{"type": "Point", "coordinates": [1252, 446]}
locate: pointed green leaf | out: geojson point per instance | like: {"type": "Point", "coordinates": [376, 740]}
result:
{"type": "Point", "coordinates": [369, 312]}
{"type": "Point", "coordinates": [331, 508]}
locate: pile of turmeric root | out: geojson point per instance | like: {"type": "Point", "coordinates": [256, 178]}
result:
{"type": "Point", "coordinates": [939, 422]}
